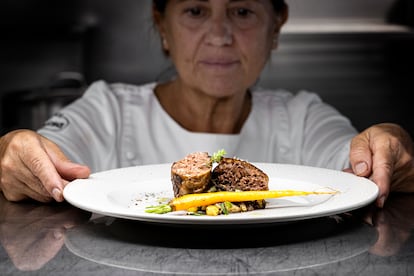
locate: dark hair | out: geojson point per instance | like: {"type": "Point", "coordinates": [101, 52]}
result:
{"type": "Point", "coordinates": [160, 5]}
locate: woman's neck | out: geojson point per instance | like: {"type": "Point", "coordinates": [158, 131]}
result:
{"type": "Point", "coordinates": [199, 112]}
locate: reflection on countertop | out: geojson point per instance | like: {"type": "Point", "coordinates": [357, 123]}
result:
{"type": "Point", "coordinates": [58, 239]}
{"type": "Point", "coordinates": [32, 233]}
{"type": "Point", "coordinates": [221, 249]}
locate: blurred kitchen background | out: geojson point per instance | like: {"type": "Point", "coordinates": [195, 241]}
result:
{"type": "Point", "coordinates": [358, 55]}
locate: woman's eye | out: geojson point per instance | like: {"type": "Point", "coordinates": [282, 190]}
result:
{"type": "Point", "coordinates": [242, 12]}
{"type": "Point", "coordinates": [194, 12]}
{"type": "Point", "coordinates": [245, 17]}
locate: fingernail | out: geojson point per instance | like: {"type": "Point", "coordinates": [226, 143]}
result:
{"type": "Point", "coordinates": [56, 194]}
{"type": "Point", "coordinates": [360, 168]}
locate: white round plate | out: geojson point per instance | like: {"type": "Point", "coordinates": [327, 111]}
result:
{"type": "Point", "coordinates": [126, 192]}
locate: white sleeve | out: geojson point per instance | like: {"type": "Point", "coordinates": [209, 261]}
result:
{"type": "Point", "coordinates": [87, 130]}
{"type": "Point", "coordinates": [322, 135]}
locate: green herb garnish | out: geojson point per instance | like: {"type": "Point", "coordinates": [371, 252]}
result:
{"type": "Point", "coordinates": [216, 157]}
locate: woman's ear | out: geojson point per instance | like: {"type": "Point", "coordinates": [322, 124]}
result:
{"type": "Point", "coordinates": [281, 19]}
{"type": "Point", "coordinates": [284, 15]}
{"type": "Point", "coordinates": [164, 43]}
{"type": "Point", "coordinates": [158, 22]}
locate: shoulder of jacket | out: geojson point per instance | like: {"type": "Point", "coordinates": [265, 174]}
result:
{"type": "Point", "coordinates": [283, 95]}
{"type": "Point", "coordinates": [120, 90]}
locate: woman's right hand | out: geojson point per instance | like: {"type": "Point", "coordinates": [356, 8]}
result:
{"type": "Point", "coordinates": [32, 166]}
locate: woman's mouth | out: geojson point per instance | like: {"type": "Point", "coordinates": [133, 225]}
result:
{"type": "Point", "coordinates": [219, 64]}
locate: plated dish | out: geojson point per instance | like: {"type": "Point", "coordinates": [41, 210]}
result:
{"type": "Point", "coordinates": [126, 192]}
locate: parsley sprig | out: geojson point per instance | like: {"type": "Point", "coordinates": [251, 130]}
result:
{"type": "Point", "coordinates": [216, 157]}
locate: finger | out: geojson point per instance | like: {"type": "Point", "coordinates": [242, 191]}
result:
{"type": "Point", "coordinates": [382, 169]}
{"type": "Point", "coordinates": [20, 191]}
{"type": "Point", "coordinates": [348, 170]}
{"type": "Point", "coordinates": [32, 187]}
{"type": "Point", "coordinates": [67, 169]}
{"type": "Point", "coordinates": [381, 177]}
{"type": "Point", "coordinates": [360, 155]}
{"type": "Point", "coordinates": [38, 196]}
{"type": "Point", "coordinates": [71, 171]}
{"type": "Point", "coordinates": [40, 165]}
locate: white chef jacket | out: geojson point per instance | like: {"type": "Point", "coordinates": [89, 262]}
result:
{"type": "Point", "coordinates": [120, 125]}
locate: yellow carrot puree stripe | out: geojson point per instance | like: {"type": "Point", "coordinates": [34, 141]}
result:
{"type": "Point", "coordinates": [204, 199]}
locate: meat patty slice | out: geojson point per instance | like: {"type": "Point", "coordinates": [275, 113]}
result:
{"type": "Point", "coordinates": [191, 174]}
{"type": "Point", "coordinates": [232, 174]}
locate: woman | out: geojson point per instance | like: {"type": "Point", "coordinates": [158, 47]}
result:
{"type": "Point", "coordinates": [219, 48]}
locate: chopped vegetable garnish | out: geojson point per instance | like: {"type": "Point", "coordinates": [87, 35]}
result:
{"type": "Point", "coordinates": [159, 209]}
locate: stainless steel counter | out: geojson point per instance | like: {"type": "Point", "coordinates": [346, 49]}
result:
{"type": "Point", "coordinates": [58, 239]}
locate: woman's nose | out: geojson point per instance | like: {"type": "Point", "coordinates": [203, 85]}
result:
{"type": "Point", "coordinates": [219, 32]}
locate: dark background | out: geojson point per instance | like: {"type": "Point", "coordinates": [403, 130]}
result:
{"type": "Point", "coordinates": [356, 54]}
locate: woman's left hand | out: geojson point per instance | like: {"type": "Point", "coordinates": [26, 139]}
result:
{"type": "Point", "coordinates": [384, 153]}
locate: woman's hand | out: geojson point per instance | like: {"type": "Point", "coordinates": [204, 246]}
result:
{"type": "Point", "coordinates": [32, 166]}
{"type": "Point", "coordinates": [384, 153]}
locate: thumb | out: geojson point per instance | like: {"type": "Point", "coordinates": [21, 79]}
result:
{"type": "Point", "coordinates": [71, 171]}
{"type": "Point", "coordinates": [67, 169]}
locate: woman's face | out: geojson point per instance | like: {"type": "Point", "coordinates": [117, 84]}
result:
{"type": "Point", "coordinates": [219, 46]}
